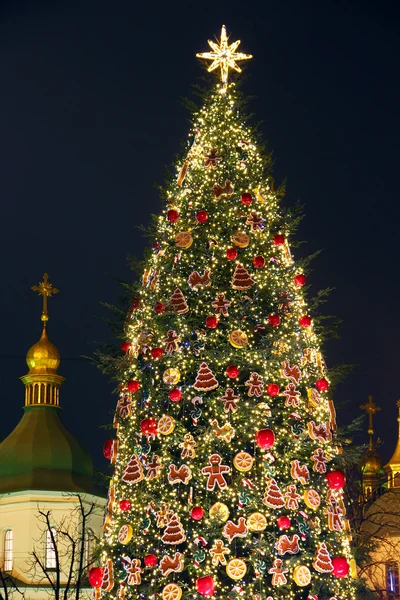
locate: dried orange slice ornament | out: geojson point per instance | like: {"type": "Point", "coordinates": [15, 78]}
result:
{"type": "Point", "coordinates": [302, 575]}
{"type": "Point", "coordinates": [125, 534]}
{"type": "Point", "coordinates": [241, 240]}
{"type": "Point", "coordinates": [172, 592]}
{"type": "Point", "coordinates": [166, 425]}
{"type": "Point", "coordinates": [220, 512]}
{"type": "Point", "coordinates": [243, 461]}
{"type": "Point", "coordinates": [183, 239]}
{"type": "Point", "coordinates": [256, 522]}
{"type": "Point", "coordinates": [238, 338]}
{"type": "Point", "coordinates": [236, 568]}
{"type": "Point", "coordinates": [171, 376]}
{"type": "Point", "coordinates": [312, 498]}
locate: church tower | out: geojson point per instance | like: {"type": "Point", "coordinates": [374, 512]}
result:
{"type": "Point", "coordinates": [372, 467]}
{"type": "Point", "coordinates": [393, 466]}
{"type": "Point", "coordinates": [43, 470]}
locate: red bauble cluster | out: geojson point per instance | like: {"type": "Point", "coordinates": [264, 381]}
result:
{"type": "Point", "coordinates": [107, 448]}
{"type": "Point", "coordinates": [265, 439]}
{"type": "Point", "coordinates": [272, 389]}
{"type": "Point", "coordinates": [211, 322]}
{"type": "Point", "coordinates": [96, 576]}
{"type": "Point", "coordinates": [259, 262]}
{"type": "Point", "coordinates": [125, 346]}
{"type": "Point", "coordinates": [246, 199]}
{"type": "Point", "coordinates": [175, 395]}
{"type": "Point", "coordinates": [156, 245]}
{"type": "Point", "coordinates": [322, 384]}
{"type": "Point", "coordinates": [305, 321]}
{"type": "Point", "coordinates": [135, 303]}
{"type": "Point", "coordinates": [201, 216]}
{"type": "Point", "coordinates": [197, 513]}
{"type": "Point", "coordinates": [283, 522]}
{"type": "Point", "coordinates": [340, 566]}
{"type": "Point", "coordinates": [133, 385]}
{"type": "Point", "coordinates": [279, 239]}
{"type": "Point", "coordinates": [125, 504]}
{"type": "Point", "coordinates": [336, 480]}
{"type": "Point", "coordinates": [156, 352]}
{"type": "Point", "coordinates": [274, 320]}
{"type": "Point", "coordinates": [149, 426]}
{"type": "Point", "coordinates": [232, 371]}
{"type": "Point", "coordinates": [172, 215]}
{"type": "Point", "coordinates": [205, 586]}
{"type": "Point", "coordinates": [159, 308]}
{"type": "Point", "coordinates": [231, 253]}
{"type": "Point", "coordinates": [300, 280]}
{"type": "Point", "coordinates": [150, 560]}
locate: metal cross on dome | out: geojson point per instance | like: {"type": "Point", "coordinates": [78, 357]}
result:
{"type": "Point", "coordinates": [46, 290]}
{"type": "Point", "coordinates": [224, 56]}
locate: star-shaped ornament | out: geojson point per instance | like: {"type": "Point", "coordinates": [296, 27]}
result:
{"type": "Point", "coordinates": [224, 56]}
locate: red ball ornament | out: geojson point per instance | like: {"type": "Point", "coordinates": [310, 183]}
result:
{"type": "Point", "coordinates": [150, 560]}
{"type": "Point", "coordinates": [107, 448]}
{"type": "Point", "coordinates": [125, 504]}
{"type": "Point", "coordinates": [259, 262]}
{"type": "Point", "coordinates": [133, 385]}
{"type": "Point", "coordinates": [322, 384]}
{"type": "Point", "coordinates": [232, 371]}
{"type": "Point", "coordinates": [211, 322]}
{"type": "Point", "coordinates": [340, 566]}
{"type": "Point", "coordinates": [265, 438]}
{"type": "Point", "coordinates": [272, 389]}
{"type": "Point", "coordinates": [149, 426]}
{"type": "Point", "coordinates": [205, 586]}
{"type": "Point", "coordinates": [172, 215]}
{"type": "Point", "coordinates": [231, 253]}
{"type": "Point", "coordinates": [175, 395]}
{"type": "Point", "coordinates": [156, 245]}
{"type": "Point", "coordinates": [135, 303]}
{"type": "Point", "coordinates": [246, 199]}
{"type": "Point", "coordinates": [279, 239]}
{"type": "Point", "coordinates": [305, 321]}
{"type": "Point", "coordinates": [197, 513]}
{"type": "Point", "coordinates": [156, 352]}
{"type": "Point", "coordinates": [159, 308]}
{"type": "Point", "coordinates": [283, 522]}
{"type": "Point", "coordinates": [96, 575]}
{"type": "Point", "coordinates": [125, 346]}
{"type": "Point", "coordinates": [201, 216]}
{"type": "Point", "coordinates": [300, 280]}
{"type": "Point", "coordinates": [335, 479]}
{"type": "Point", "coordinates": [274, 320]}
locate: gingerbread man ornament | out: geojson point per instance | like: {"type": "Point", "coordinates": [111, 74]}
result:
{"type": "Point", "coordinates": [320, 460]}
{"type": "Point", "coordinates": [278, 572]}
{"type": "Point", "coordinates": [218, 552]}
{"type": "Point", "coordinates": [215, 472]}
{"type": "Point", "coordinates": [171, 342]}
{"type": "Point", "coordinates": [230, 400]}
{"type": "Point", "coordinates": [255, 385]}
{"type": "Point", "coordinates": [221, 305]}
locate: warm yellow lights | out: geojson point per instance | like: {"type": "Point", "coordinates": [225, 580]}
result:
{"type": "Point", "coordinates": [224, 56]}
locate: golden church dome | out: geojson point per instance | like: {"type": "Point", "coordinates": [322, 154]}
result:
{"type": "Point", "coordinates": [43, 357]}
{"type": "Point", "coordinates": [373, 463]}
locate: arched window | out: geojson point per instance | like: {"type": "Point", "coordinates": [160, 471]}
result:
{"type": "Point", "coordinates": [51, 562]}
{"type": "Point", "coordinates": [8, 550]}
{"type": "Point", "coordinates": [392, 579]}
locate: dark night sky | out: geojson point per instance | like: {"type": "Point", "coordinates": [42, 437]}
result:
{"type": "Point", "coordinates": [89, 115]}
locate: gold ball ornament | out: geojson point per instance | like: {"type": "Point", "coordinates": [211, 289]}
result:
{"type": "Point", "coordinates": [302, 575]}
{"type": "Point", "coordinates": [236, 568]}
{"type": "Point", "coordinates": [172, 592]}
{"type": "Point", "coordinates": [243, 461]}
{"type": "Point", "coordinates": [166, 425]}
{"type": "Point", "coordinates": [238, 338]}
{"type": "Point", "coordinates": [220, 512]}
{"type": "Point", "coordinates": [256, 522]}
{"type": "Point", "coordinates": [184, 240]}
{"type": "Point", "coordinates": [171, 376]}
{"type": "Point", "coordinates": [241, 240]}
{"type": "Point", "coordinates": [125, 534]}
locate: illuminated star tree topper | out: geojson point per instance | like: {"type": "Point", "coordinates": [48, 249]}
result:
{"type": "Point", "coordinates": [224, 56]}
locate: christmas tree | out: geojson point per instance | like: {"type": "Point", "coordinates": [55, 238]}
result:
{"type": "Point", "coordinates": [212, 392]}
